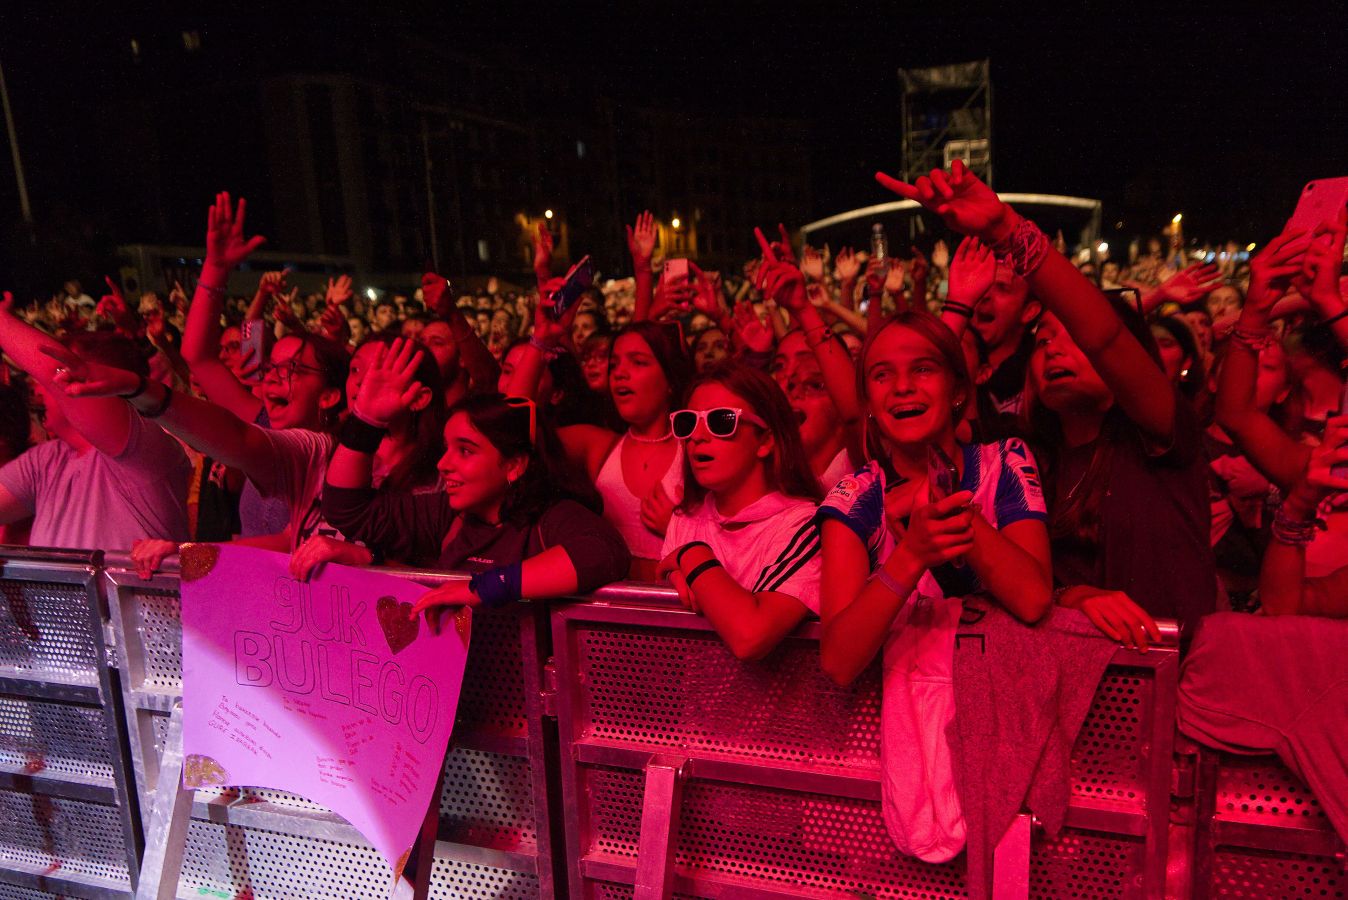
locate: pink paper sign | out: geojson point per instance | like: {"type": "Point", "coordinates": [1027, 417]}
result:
{"type": "Point", "coordinates": [323, 688]}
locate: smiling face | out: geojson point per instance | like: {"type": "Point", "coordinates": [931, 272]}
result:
{"type": "Point", "coordinates": [293, 391]}
{"type": "Point", "coordinates": [475, 473]}
{"type": "Point", "coordinates": [719, 463]}
{"type": "Point", "coordinates": [640, 390]}
{"type": "Point", "coordinates": [911, 389]}
{"type": "Point", "coordinates": [1061, 376]}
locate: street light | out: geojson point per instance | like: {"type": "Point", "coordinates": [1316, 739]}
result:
{"type": "Point", "coordinates": [1176, 219]}
{"type": "Point", "coordinates": [674, 223]}
{"type": "Point", "coordinates": [1104, 247]}
{"type": "Point", "coordinates": [547, 214]}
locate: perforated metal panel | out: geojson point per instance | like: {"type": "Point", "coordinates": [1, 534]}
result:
{"type": "Point", "coordinates": [492, 701]}
{"type": "Point", "coordinates": [14, 892]}
{"type": "Point", "coordinates": [685, 689]}
{"type": "Point", "coordinates": [68, 835]}
{"type": "Point", "coordinates": [486, 801]}
{"type": "Point", "coordinates": [1259, 875]}
{"type": "Point", "coordinates": [778, 837]}
{"type": "Point", "coordinates": [44, 631]}
{"type": "Point", "coordinates": [453, 880]}
{"type": "Point", "coordinates": [1086, 866]}
{"type": "Point", "coordinates": [55, 739]}
{"type": "Point", "coordinates": [1261, 790]}
{"type": "Point", "coordinates": [226, 861]}
{"type": "Point", "coordinates": [1107, 758]}
{"type": "Point", "coordinates": [158, 627]}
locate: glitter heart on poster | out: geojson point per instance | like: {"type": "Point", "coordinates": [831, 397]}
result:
{"type": "Point", "coordinates": [201, 771]}
{"type": "Point", "coordinates": [196, 560]}
{"type": "Point", "coordinates": [395, 620]}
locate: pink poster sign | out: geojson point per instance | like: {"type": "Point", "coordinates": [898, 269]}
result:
{"type": "Point", "coordinates": [323, 688]}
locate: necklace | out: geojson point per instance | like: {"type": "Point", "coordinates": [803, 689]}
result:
{"type": "Point", "coordinates": [646, 440]}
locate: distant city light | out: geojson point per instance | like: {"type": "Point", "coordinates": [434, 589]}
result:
{"type": "Point", "coordinates": [674, 222]}
{"type": "Point", "coordinates": [1104, 247]}
{"type": "Point", "coordinates": [1176, 220]}
{"type": "Point", "coordinates": [1249, 248]}
{"type": "Point", "coordinates": [371, 293]}
{"type": "Point", "coordinates": [547, 214]}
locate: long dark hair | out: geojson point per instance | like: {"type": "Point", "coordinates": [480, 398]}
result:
{"type": "Point", "coordinates": [548, 478]}
{"type": "Point", "coordinates": [334, 362]}
{"type": "Point", "coordinates": [788, 469]}
{"type": "Point", "coordinates": [669, 350]}
{"type": "Point", "coordinates": [1078, 514]}
{"type": "Point", "coordinates": [425, 427]}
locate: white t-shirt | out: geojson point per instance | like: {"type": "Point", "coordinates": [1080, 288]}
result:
{"type": "Point", "coordinates": [94, 501]}
{"type": "Point", "coordinates": [770, 545]}
{"type": "Point", "coordinates": [301, 465]}
{"type": "Point", "coordinates": [917, 701]}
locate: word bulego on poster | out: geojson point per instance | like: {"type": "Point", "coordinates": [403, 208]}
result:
{"type": "Point", "coordinates": [324, 688]}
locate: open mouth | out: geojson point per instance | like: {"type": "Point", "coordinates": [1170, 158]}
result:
{"type": "Point", "coordinates": [701, 458]}
{"type": "Point", "coordinates": [1057, 374]}
{"type": "Point", "coordinates": [800, 415]}
{"type": "Point", "coordinates": [907, 410]}
{"type": "Point", "coordinates": [622, 393]}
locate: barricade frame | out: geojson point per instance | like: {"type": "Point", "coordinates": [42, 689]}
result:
{"type": "Point", "coordinates": [528, 627]}
{"type": "Point", "coordinates": [98, 689]}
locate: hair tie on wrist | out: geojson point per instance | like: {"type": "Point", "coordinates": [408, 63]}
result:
{"type": "Point", "coordinates": [359, 435]}
{"type": "Point", "coordinates": [700, 569]}
{"type": "Point", "coordinates": [498, 587]}
{"type": "Point", "coordinates": [891, 584]}
{"type": "Point", "coordinates": [678, 556]}
{"type": "Point", "coordinates": [959, 309]}
{"type": "Point", "coordinates": [161, 408]}
{"type": "Point", "coordinates": [141, 384]}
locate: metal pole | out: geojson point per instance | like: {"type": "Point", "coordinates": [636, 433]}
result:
{"type": "Point", "coordinates": [24, 205]}
{"type": "Point", "coordinates": [430, 194]}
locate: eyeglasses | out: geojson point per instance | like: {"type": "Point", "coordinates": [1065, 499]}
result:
{"type": "Point", "coordinates": [526, 403]}
{"type": "Point", "coordinates": [721, 422]}
{"type": "Point", "coordinates": [286, 370]}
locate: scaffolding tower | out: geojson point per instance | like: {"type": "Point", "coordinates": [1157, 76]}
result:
{"type": "Point", "coordinates": [947, 115]}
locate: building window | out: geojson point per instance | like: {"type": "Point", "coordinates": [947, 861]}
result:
{"type": "Point", "coordinates": [191, 41]}
{"type": "Point", "coordinates": [483, 251]}
{"type": "Point", "coordinates": [580, 149]}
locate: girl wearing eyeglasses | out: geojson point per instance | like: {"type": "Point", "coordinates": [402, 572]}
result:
{"type": "Point", "coordinates": [743, 548]}
{"type": "Point", "coordinates": [512, 511]}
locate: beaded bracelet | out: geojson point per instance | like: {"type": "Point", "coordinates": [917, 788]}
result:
{"type": "Point", "coordinates": [1025, 248]}
{"type": "Point", "coordinates": [1287, 530]}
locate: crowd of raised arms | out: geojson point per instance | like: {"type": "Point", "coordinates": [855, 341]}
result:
{"type": "Point", "coordinates": [829, 436]}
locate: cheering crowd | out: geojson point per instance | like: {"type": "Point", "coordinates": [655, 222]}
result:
{"type": "Point", "coordinates": [860, 438]}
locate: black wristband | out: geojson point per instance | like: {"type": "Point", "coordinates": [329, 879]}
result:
{"type": "Point", "coordinates": [141, 384]}
{"type": "Point", "coordinates": [700, 569]}
{"type": "Point", "coordinates": [678, 557]}
{"type": "Point", "coordinates": [161, 408]}
{"type": "Point", "coordinates": [959, 309]}
{"type": "Point", "coordinates": [359, 435]}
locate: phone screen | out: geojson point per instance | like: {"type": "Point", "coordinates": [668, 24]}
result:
{"type": "Point", "coordinates": [577, 280]}
{"type": "Point", "coordinates": [942, 475]}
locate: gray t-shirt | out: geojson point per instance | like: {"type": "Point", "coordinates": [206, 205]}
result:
{"type": "Point", "coordinates": [97, 502]}
{"type": "Point", "coordinates": [259, 515]}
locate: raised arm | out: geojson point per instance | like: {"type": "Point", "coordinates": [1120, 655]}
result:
{"type": "Point", "coordinates": [226, 247]}
{"type": "Point", "coordinates": [969, 206]}
{"type": "Point", "coordinates": [641, 244]}
{"type": "Point", "coordinates": [102, 421]}
{"type": "Point", "coordinates": [476, 359]}
{"type": "Point", "coordinates": [542, 254]}
{"type": "Point", "coordinates": [1320, 275]}
{"type": "Point", "coordinates": [972, 273]}
{"type": "Point", "coordinates": [1184, 287]}
{"type": "Point", "coordinates": [846, 267]}
{"type": "Point", "coordinates": [1276, 454]}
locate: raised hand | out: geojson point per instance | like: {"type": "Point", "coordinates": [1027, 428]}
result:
{"type": "Point", "coordinates": [782, 248]}
{"type": "Point", "coordinates": [1318, 280]}
{"type": "Point", "coordinates": [963, 202]}
{"type": "Point", "coordinates": [894, 277]}
{"type": "Point", "coordinates": [113, 307]}
{"type": "Point", "coordinates": [779, 279]}
{"type": "Point", "coordinates": [438, 294]}
{"type": "Point", "coordinates": [641, 239]}
{"type": "Point", "coordinates": [82, 378]}
{"type": "Point", "coordinates": [972, 273]}
{"type": "Point", "coordinates": [334, 324]}
{"type": "Point", "coordinates": [707, 296]}
{"type": "Point", "coordinates": [753, 333]}
{"type": "Point", "coordinates": [284, 312]}
{"type": "Point", "coordinates": [178, 297]}
{"type": "Point", "coordinates": [226, 246]}
{"type": "Point", "coordinates": [940, 255]}
{"type": "Point", "coordinates": [847, 264]}
{"type": "Point", "coordinates": [1272, 270]}
{"type": "Point", "coordinates": [812, 263]}
{"type": "Point", "coordinates": [542, 252]}
{"type": "Point", "coordinates": [339, 290]}
{"type": "Point", "coordinates": [1190, 285]}
{"type": "Point", "coordinates": [390, 386]}
{"type": "Point", "coordinates": [673, 297]}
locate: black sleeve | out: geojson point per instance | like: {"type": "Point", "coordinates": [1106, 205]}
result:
{"type": "Point", "coordinates": [405, 527]}
{"type": "Point", "coordinates": [598, 552]}
{"type": "Point", "coordinates": [1186, 443]}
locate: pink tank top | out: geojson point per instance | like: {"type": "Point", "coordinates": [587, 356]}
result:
{"type": "Point", "coordinates": [622, 508]}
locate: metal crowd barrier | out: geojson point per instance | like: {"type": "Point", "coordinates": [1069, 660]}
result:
{"type": "Point", "coordinates": [69, 821]}
{"type": "Point", "coordinates": [495, 836]}
{"type": "Point", "coordinates": [623, 721]}
{"type": "Point", "coordinates": [1261, 833]}
{"type": "Point", "coordinates": [691, 769]}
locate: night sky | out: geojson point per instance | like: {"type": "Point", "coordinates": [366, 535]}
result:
{"type": "Point", "coordinates": [1218, 115]}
